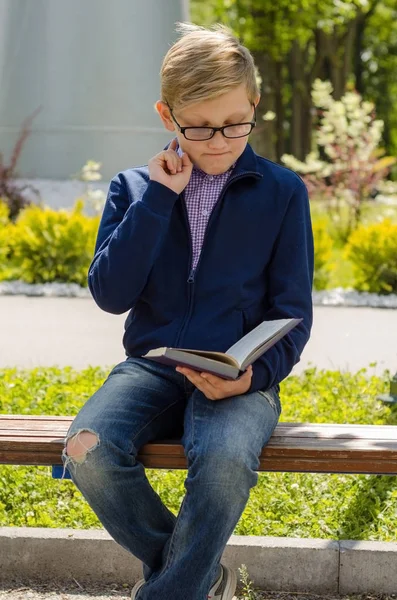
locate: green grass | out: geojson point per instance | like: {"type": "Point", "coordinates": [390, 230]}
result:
{"type": "Point", "coordinates": [282, 504]}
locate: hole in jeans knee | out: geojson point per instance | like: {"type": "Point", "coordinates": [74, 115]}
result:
{"type": "Point", "coordinates": [79, 444]}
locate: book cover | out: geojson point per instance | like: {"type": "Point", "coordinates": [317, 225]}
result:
{"type": "Point", "coordinates": [232, 363]}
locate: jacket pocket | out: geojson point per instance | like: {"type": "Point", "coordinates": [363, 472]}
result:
{"type": "Point", "coordinates": [252, 315]}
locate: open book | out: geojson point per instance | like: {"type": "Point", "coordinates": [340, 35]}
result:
{"type": "Point", "coordinates": [232, 363]}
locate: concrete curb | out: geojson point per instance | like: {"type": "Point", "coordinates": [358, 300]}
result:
{"type": "Point", "coordinates": [273, 564]}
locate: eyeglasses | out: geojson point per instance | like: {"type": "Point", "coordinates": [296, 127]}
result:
{"type": "Point", "coordinates": [198, 134]}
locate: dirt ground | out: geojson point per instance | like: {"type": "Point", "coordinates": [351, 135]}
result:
{"type": "Point", "coordinates": [73, 590]}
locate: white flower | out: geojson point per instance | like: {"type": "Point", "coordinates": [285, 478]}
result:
{"type": "Point", "coordinates": [338, 108]}
{"type": "Point", "coordinates": [96, 198]}
{"type": "Point", "coordinates": [90, 171]}
{"type": "Point", "coordinates": [321, 93]}
{"type": "Point", "coordinates": [367, 107]}
{"type": "Point", "coordinates": [269, 116]}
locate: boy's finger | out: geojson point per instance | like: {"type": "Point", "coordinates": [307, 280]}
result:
{"type": "Point", "coordinates": [186, 162]}
{"type": "Point", "coordinates": [173, 144]}
{"type": "Point", "coordinates": [212, 379]}
{"type": "Point", "coordinates": [171, 166]}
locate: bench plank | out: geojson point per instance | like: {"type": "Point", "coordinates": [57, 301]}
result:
{"type": "Point", "coordinates": [295, 447]}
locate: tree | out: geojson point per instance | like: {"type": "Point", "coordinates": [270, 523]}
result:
{"type": "Point", "coordinates": [293, 43]}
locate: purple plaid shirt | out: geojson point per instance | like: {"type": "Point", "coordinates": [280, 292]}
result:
{"type": "Point", "coordinates": [201, 194]}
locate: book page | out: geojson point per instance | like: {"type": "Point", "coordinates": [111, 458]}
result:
{"type": "Point", "coordinates": [252, 342]}
{"type": "Point", "coordinates": [219, 356]}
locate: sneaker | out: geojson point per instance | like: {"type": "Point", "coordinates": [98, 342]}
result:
{"type": "Point", "coordinates": [225, 586]}
{"type": "Point", "coordinates": [136, 588]}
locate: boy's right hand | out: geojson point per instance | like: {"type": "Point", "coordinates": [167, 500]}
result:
{"type": "Point", "coordinates": [168, 168]}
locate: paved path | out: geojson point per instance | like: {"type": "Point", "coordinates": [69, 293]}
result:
{"type": "Point", "coordinates": [74, 331]}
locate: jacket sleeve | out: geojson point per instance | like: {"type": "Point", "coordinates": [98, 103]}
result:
{"type": "Point", "coordinates": [129, 238]}
{"type": "Point", "coordinates": [289, 284]}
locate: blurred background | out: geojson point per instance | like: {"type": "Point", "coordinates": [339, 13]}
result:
{"type": "Point", "coordinates": [78, 84]}
{"type": "Point", "coordinates": [92, 68]}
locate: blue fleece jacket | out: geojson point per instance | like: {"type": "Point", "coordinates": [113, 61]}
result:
{"type": "Point", "coordinates": [256, 264]}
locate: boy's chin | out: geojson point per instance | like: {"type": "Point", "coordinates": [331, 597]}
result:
{"type": "Point", "coordinates": [216, 165]}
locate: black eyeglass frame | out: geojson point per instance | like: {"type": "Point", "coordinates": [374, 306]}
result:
{"type": "Point", "coordinates": [215, 129]}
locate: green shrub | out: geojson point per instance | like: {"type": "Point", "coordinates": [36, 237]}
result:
{"type": "Point", "coordinates": [322, 254]}
{"type": "Point", "coordinates": [54, 245]}
{"type": "Point", "coordinates": [373, 251]}
{"type": "Point", "coordinates": [4, 238]}
{"type": "Point", "coordinates": [281, 504]}
{"type": "Point", "coordinates": [7, 228]}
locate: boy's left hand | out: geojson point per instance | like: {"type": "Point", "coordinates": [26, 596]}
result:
{"type": "Point", "coordinates": [217, 388]}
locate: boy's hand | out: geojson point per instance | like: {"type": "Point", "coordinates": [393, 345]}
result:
{"type": "Point", "coordinates": [168, 168]}
{"type": "Point", "coordinates": [217, 388]}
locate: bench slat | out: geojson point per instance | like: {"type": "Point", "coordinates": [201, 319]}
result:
{"type": "Point", "coordinates": [39, 443]}
{"type": "Point", "coordinates": [300, 447]}
{"type": "Point", "coordinates": [291, 464]}
{"type": "Point", "coordinates": [317, 430]}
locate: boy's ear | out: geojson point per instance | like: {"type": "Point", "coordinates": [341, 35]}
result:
{"type": "Point", "coordinates": [165, 115]}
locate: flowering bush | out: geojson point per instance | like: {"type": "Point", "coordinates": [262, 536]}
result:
{"type": "Point", "coordinates": [88, 173]}
{"type": "Point", "coordinates": [344, 167]}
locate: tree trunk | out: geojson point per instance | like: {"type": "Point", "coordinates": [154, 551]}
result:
{"type": "Point", "coordinates": [297, 83]}
{"type": "Point", "coordinates": [358, 63]}
{"type": "Point", "coordinates": [359, 47]}
{"type": "Point", "coordinates": [280, 112]}
{"type": "Point", "coordinates": [264, 135]}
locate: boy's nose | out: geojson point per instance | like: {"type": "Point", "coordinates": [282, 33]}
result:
{"type": "Point", "coordinates": [218, 141]}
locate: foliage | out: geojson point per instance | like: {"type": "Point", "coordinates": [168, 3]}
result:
{"type": "Point", "coordinates": [377, 76]}
{"type": "Point", "coordinates": [282, 504]}
{"type": "Point", "coordinates": [373, 251]}
{"type": "Point", "coordinates": [6, 233]}
{"type": "Point", "coordinates": [296, 41]}
{"type": "Point", "coordinates": [54, 245]}
{"type": "Point", "coordinates": [4, 243]}
{"type": "Point", "coordinates": [348, 137]}
{"type": "Point", "coordinates": [275, 26]}
{"type": "Point", "coordinates": [322, 254]}
{"type": "Point", "coordinates": [10, 190]}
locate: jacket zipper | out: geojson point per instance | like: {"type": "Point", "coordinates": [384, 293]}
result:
{"type": "Point", "coordinates": [192, 271]}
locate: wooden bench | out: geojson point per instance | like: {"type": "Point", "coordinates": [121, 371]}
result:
{"type": "Point", "coordinates": [299, 447]}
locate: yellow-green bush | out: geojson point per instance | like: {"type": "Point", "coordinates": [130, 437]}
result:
{"type": "Point", "coordinates": [373, 251]}
{"type": "Point", "coordinates": [322, 254]}
{"type": "Point", "coordinates": [6, 236]}
{"type": "Point", "coordinates": [54, 245]}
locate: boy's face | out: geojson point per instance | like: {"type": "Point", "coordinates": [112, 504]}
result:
{"type": "Point", "coordinates": [216, 155]}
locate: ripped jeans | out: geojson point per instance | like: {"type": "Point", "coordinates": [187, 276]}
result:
{"type": "Point", "coordinates": [141, 401]}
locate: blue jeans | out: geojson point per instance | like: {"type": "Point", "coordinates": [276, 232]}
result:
{"type": "Point", "coordinates": [141, 401]}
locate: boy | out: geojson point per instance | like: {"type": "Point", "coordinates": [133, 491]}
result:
{"type": "Point", "coordinates": [200, 246]}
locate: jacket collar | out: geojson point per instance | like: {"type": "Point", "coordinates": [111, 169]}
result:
{"type": "Point", "coordinates": [246, 164]}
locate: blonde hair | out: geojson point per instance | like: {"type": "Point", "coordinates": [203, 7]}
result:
{"type": "Point", "coordinates": [205, 63]}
